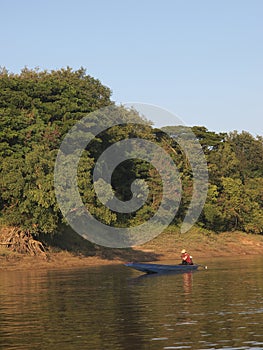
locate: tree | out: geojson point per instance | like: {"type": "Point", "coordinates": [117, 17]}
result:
{"type": "Point", "coordinates": [37, 108]}
{"type": "Point", "coordinates": [249, 152]}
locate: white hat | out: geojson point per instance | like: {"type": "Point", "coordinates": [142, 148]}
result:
{"type": "Point", "coordinates": [183, 251]}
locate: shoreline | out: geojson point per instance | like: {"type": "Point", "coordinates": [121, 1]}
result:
{"type": "Point", "coordinates": [165, 247]}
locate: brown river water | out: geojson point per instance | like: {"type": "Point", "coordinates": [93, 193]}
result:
{"type": "Point", "coordinates": [114, 307]}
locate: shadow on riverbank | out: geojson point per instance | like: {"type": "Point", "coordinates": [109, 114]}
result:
{"type": "Point", "coordinates": [71, 250]}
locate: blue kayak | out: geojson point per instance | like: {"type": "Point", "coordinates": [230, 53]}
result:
{"type": "Point", "coordinates": [159, 268]}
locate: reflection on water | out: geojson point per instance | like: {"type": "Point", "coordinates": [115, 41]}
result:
{"type": "Point", "coordinates": [114, 308]}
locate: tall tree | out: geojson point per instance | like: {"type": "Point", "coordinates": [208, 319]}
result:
{"type": "Point", "coordinates": [37, 108]}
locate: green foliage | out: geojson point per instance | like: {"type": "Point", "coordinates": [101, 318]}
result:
{"type": "Point", "coordinates": [37, 109]}
{"type": "Point", "coordinates": [236, 180]}
{"type": "Point", "coordinates": [249, 152]}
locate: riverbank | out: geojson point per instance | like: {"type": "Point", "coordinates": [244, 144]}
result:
{"type": "Point", "coordinates": [167, 246]}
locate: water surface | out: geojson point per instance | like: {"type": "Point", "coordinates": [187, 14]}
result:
{"type": "Point", "coordinates": [114, 307]}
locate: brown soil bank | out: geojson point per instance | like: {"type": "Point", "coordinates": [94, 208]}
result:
{"type": "Point", "coordinates": [205, 244]}
{"type": "Point", "coordinates": [77, 252]}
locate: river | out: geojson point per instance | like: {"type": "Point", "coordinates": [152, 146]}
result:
{"type": "Point", "coordinates": [113, 307]}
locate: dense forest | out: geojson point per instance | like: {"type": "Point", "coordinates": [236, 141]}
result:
{"type": "Point", "coordinates": [38, 108]}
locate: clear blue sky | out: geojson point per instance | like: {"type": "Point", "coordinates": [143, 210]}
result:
{"type": "Point", "coordinates": [199, 59]}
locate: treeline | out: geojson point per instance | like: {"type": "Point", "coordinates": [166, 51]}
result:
{"type": "Point", "coordinates": [235, 193]}
{"type": "Point", "coordinates": [38, 108]}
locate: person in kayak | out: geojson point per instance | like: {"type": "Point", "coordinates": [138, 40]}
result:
{"type": "Point", "coordinates": [186, 258]}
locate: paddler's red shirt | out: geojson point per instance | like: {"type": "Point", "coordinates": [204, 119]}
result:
{"type": "Point", "coordinates": [187, 258]}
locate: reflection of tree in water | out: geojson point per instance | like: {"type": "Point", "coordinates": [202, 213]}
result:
{"type": "Point", "coordinates": [99, 308]}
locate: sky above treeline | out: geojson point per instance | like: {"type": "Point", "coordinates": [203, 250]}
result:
{"type": "Point", "coordinates": [201, 60]}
